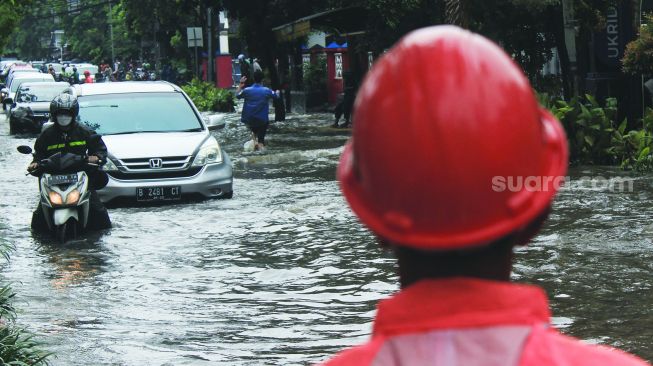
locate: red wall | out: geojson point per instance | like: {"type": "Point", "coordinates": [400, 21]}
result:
{"type": "Point", "coordinates": [223, 77]}
{"type": "Point", "coordinates": [335, 86]}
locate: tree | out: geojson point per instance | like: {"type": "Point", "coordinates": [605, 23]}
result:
{"type": "Point", "coordinates": [11, 12]}
{"type": "Point", "coordinates": [638, 58]}
{"type": "Point", "coordinates": [456, 12]}
{"type": "Point", "coordinates": [258, 17]}
{"type": "Point", "coordinates": [162, 24]}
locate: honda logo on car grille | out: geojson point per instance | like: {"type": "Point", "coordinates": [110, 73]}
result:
{"type": "Point", "coordinates": [156, 163]}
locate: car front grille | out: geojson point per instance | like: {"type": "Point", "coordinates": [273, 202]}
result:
{"type": "Point", "coordinates": [155, 164]}
{"type": "Point", "coordinates": [156, 174]}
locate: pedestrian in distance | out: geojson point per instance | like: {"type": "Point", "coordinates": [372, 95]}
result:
{"type": "Point", "coordinates": [74, 78]}
{"type": "Point", "coordinates": [87, 77]}
{"type": "Point", "coordinates": [256, 107]}
{"type": "Point", "coordinates": [106, 74]}
{"type": "Point", "coordinates": [256, 66]}
{"type": "Point", "coordinates": [245, 70]}
{"type": "Point", "coordinates": [452, 231]}
{"type": "Point", "coordinates": [346, 105]}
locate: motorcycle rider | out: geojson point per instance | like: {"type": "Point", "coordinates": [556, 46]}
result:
{"type": "Point", "coordinates": [87, 77]}
{"type": "Point", "coordinates": [74, 78]}
{"type": "Point", "coordinates": [68, 136]}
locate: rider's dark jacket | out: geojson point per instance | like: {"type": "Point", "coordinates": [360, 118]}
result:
{"type": "Point", "coordinates": [77, 140]}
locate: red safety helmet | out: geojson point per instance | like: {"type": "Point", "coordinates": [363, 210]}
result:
{"type": "Point", "coordinates": [445, 128]}
{"type": "Point", "coordinates": [87, 73]}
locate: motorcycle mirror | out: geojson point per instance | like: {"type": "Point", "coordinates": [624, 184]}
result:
{"type": "Point", "coordinates": [24, 149]}
{"type": "Point", "coordinates": [95, 138]}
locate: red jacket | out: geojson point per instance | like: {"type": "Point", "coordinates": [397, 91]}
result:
{"type": "Point", "coordinates": [470, 322]}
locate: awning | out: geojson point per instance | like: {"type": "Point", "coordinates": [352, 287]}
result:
{"type": "Point", "coordinates": [340, 21]}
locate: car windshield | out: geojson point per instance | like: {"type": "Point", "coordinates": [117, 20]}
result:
{"type": "Point", "coordinates": [115, 114]}
{"type": "Point", "coordinates": [39, 94]}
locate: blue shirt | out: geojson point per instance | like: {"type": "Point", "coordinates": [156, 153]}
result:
{"type": "Point", "coordinates": [256, 107]}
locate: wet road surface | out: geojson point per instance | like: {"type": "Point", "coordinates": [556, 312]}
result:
{"type": "Point", "coordinates": [283, 273]}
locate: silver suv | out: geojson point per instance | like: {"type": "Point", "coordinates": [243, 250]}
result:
{"type": "Point", "coordinates": [160, 148]}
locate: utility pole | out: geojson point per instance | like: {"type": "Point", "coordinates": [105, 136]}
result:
{"type": "Point", "coordinates": [570, 40]}
{"type": "Point", "coordinates": [210, 63]}
{"type": "Point", "coordinates": [113, 59]}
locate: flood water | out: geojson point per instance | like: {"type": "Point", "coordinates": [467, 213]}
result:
{"type": "Point", "coordinates": [283, 273]}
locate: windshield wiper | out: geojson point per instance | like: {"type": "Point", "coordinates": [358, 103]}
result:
{"type": "Point", "coordinates": [132, 132]}
{"type": "Point", "coordinates": [197, 129]}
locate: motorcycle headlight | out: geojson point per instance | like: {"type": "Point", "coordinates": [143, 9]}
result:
{"type": "Point", "coordinates": [109, 166]}
{"type": "Point", "coordinates": [55, 198]}
{"type": "Point", "coordinates": [209, 153]}
{"type": "Point", "coordinates": [72, 197]}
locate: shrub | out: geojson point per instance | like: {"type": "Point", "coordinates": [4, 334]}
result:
{"type": "Point", "coordinates": [595, 137]}
{"type": "Point", "coordinates": [315, 75]}
{"type": "Point", "coordinates": [638, 57]}
{"type": "Point", "coordinates": [17, 346]}
{"type": "Point", "coordinates": [209, 98]}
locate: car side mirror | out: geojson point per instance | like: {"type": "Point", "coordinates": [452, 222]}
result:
{"type": "Point", "coordinates": [215, 121]}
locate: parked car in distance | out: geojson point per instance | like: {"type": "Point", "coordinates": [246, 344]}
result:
{"type": "Point", "coordinates": [4, 67]}
{"type": "Point", "coordinates": [31, 107]}
{"type": "Point", "coordinates": [80, 69]}
{"type": "Point", "coordinates": [14, 72]}
{"type": "Point", "coordinates": [39, 65]}
{"type": "Point", "coordinates": [160, 148]}
{"type": "Point", "coordinates": [19, 69]}
{"type": "Point", "coordinates": [17, 80]}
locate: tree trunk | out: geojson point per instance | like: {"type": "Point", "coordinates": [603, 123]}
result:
{"type": "Point", "coordinates": [456, 13]}
{"type": "Point", "coordinates": [556, 28]}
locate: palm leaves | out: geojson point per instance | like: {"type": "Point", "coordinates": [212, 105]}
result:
{"type": "Point", "coordinates": [456, 12]}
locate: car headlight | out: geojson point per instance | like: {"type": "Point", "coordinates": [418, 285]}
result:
{"type": "Point", "coordinates": [109, 166]}
{"type": "Point", "coordinates": [209, 153]}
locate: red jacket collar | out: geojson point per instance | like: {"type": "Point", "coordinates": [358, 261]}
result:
{"type": "Point", "coordinates": [460, 303]}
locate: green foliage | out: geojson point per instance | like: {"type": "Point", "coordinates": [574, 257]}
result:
{"type": "Point", "coordinates": [595, 136]}
{"type": "Point", "coordinates": [11, 12]}
{"type": "Point", "coordinates": [209, 98]}
{"type": "Point", "coordinates": [315, 75]}
{"type": "Point", "coordinates": [638, 57]}
{"type": "Point", "coordinates": [17, 346]}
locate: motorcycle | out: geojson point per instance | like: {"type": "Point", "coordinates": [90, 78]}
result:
{"type": "Point", "coordinates": [64, 192]}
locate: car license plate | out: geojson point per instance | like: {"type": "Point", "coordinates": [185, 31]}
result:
{"type": "Point", "coordinates": [158, 193]}
{"type": "Point", "coordinates": [54, 180]}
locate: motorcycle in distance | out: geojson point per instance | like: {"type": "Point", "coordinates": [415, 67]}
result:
{"type": "Point", "coordinates": [64, 192]}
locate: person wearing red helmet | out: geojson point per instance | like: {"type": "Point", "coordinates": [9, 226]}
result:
{"type": "Point", "coordinates": [469, 113]}
{"type": "Point", "coordinates": [87, 77]}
